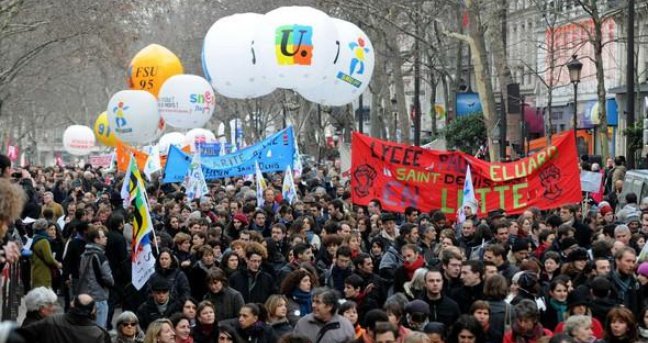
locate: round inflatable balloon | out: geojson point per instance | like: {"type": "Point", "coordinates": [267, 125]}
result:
{"type": "Point", "coordinates": [229, 63]}
{"type": "Point", "coordinates": [186, 101]}
{"type": "Point", "coordinates": [296, 46]}
{"type": "Point", "coordinates": [134, 116]}
{"type": "Point", "coordinates": [103, 132]}
{"type": "Point", "coordinates": [152, 66]}
{"type": "Point", "coordinates": [197, 136]}
{"type": "Point", "coordinates": [78, 140]}
{"type": "Point", "coordinates": [168, 139]}
{"type": "Point", "coordinates": [352, 70]}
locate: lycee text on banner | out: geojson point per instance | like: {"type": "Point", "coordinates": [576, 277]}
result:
{"type": "Point", "coordinates": [400, 176]}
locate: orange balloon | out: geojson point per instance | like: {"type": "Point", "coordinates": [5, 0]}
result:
{"type": "Point", "coordinates": [151, 66]}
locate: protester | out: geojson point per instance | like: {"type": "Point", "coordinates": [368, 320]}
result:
{"type": "Point", "coordinates": [40, 302]}
{"type": "Point", "coordinates": [75, 326]}
{"type": "Point", "coordinates": [127, 329]}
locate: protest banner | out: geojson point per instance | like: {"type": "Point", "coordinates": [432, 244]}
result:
{"type": "Point", "coordinates": [399, 176]}
{"type": "Point", "coordinates": [101, 161]}
{"type": "Point", "coordinates": [124, 152]}
{"type": "Point", "coordinates": [591, 181]}
{"type": "Point", "coordinates": [273, 154]}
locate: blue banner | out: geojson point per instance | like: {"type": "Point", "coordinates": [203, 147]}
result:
{"type": "Point", "coordinates": [273, 154]}
{"type": "Point", "coordinates": [213, 149]}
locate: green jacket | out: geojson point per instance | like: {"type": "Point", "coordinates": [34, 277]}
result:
{"type": "Point", "coordinates": [42, 263]}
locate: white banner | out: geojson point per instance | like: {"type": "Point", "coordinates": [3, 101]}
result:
{"type": "Point", "coordinates": [590, 181]}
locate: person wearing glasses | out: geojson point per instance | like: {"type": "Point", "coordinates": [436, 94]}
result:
{"type": "Point", "coordinates": [127, 329]}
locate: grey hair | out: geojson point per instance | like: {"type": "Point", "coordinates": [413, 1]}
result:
{"type": "Point", "coordinates": [416, 337]}
{"type": "Point", "coordinates": [40, 224]}
{"type": "Point", "coordinates": [127, 317]}
{"type": "Point", "coordinates": [327, 296]}
{"type": "Point", "coordinates": [577, 321]}
{"type": "Point", "coordinates": [40, 297]}
{"type": "Point", "coordinates": [621, 228]}
{"type": "Point", "coordinates": [526, 309]}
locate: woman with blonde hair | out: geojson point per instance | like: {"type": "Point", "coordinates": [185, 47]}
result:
{"type": "Point", "coordinates": [277, 306]}
{"type": "Point", "coordinates": [160, 331]}
{"type": "Point", "coordinates": [415, 288]}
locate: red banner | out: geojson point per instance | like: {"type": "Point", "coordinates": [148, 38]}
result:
{"type": "Point", "coordinates": [400, 175]}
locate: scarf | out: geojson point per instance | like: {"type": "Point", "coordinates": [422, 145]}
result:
{"type": "Point", "coordinates": [304, 299]}
{"type": "Point", "coordinates": [623, 285]}
{"type": "Point", "coordinates": [529, 336]}
{"type": "Point", "coordinates": [410, 268]}
{"type": "Point", "coordinates": [188, 340]}
{"type": "Point", "coordinates": [643, 332]}
{"type": "Point", "coordinates": [560, 307]}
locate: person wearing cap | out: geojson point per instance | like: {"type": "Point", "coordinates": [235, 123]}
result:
{"type": "Point", "coordinates": [607, 212]}
{"type": "Point", "coordinates": [629, 208]}
{"type": "Point", "coordinates": [159, 305]}
{"type": "Point", "coordinates": [567, 245]}
{"type": "Point", "coordinates": [417, 314]}
{"type": "Point", "coordinates": [520, 251]}
{"type": "Point", "coordinates": [576, 266]}
{"type": "Point", "coordinates": [578, 305]}
{"type": "Point", "coordinates": [389, 231]}
{"type": "Point", "coordinates": [75, 326]}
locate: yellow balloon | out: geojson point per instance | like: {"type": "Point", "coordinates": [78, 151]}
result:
{"type": "Point", "coordinates": [103, 132]}
{"type": "Point", "coordinates": [151, 66]}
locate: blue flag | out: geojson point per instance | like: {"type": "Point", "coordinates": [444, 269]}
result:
{"type": "Point", "coordinates": [273, 154]}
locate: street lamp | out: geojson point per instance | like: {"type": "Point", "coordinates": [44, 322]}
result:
{"type": "Point", "coordinates": [575, 66]}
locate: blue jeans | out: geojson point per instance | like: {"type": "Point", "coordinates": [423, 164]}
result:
{"type": "Point", "coordinates": [102, 313]}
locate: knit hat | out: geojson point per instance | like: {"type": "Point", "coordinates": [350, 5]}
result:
{"type": "Point", "coordinates": [520, 244]}
{"type": "Point", "coordinates": [605, 209]}
{"type": "Point", "coordinates": [242, 218]}
{"type": "Point", "coordinates": [643, 269]}
{"type": "Point", "coordinates": [632, 217]}
{"type": "Point", "coordinates": [578, 297]}
{"type": "Point", "coordinates": [567, 243]}
{"type": "Point", "coordinates": [417, 306]}
{"type": "Point", "coordinates": [527, 281]}
{"type": "Point", "coordinates": [434, 327]}
{"type": "Point", "coordinates": [160, 284]}
{"type": "Point", "coordinates": [578, 254]}
{"type": "Point", "coordinates": [385, 217]}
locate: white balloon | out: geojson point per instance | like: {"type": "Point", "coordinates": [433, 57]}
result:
{"type": "Point", "coordinates": [352, 70]}
{"type": "Point", "coordinates": [186, 101]}
{"type": "Point", "coordinates": [169, 139]}
{"type": "Point", "coordinates": [78, 140]}
{"type": "Point", "coordinates": [134, 117]}
{"type": "Point", "coordinates": [199, 136]}
{"type": "Point", "coordinates": [296, 46]}
{"type": "Point", "coordinates": [228, 60]}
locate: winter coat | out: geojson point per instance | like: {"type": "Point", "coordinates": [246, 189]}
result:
{"type": "Point", "coordinates": [42, 263]}
{"type": "Point", "coordinates": [198, 279]}
{"type": "Point", "coordinates": [254, 288]}
{"type": "Point", "coordinates": [117, 254]}
{"type": "Point", "coordinates": [178, 280]}
{"type": "Point", "coordinates": [227, 303]}
{"type": "Point", "coordinates": [281, 327]}
{"type": "Point", "coordinates": [68, 328]}
{"type": "Point", "coordinates": [310, 327]}
{"type": "Point", "coordinates": [149, 311]}
{"type": "Point", "coordinates": [95, 276]}
{"type": "Point", "coordinates": [465, 296]}
{"type": "Point", "coordinates": [501, 315]}
{"type": "Point", "coordinates": [72, 258]}
{"type": "Point", "coordinates": [444, 310]}
{"type": "Point", "coordinates": [202, 334]}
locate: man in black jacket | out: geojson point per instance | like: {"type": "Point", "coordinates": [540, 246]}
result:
{"type": "Point", "coordinates": [472, 286]}
{"type": "Point", "coordinates": [159, 305]}
{"type": "Point", "coordinates": [442, 308]}
{"type": "Point", "coordinates": [72, 260]}
{"type": "Point", "coordinates": [253, 283]}
{"type": "Point", "coordinates": [77, 325]}
{"type": "Point", "coordinates": [117, 254]}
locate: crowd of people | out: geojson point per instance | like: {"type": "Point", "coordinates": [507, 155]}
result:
{"type": "Point", "coordinates": [320, 269]}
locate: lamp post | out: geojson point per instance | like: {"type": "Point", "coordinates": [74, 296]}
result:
{"type": "Point", "coordinates": [575, 66]}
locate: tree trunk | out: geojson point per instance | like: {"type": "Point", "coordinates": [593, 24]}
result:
{"type": "Point", "coordinates": [482, 76]}
{"type": "Point", "coordinates": [600, 80]}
